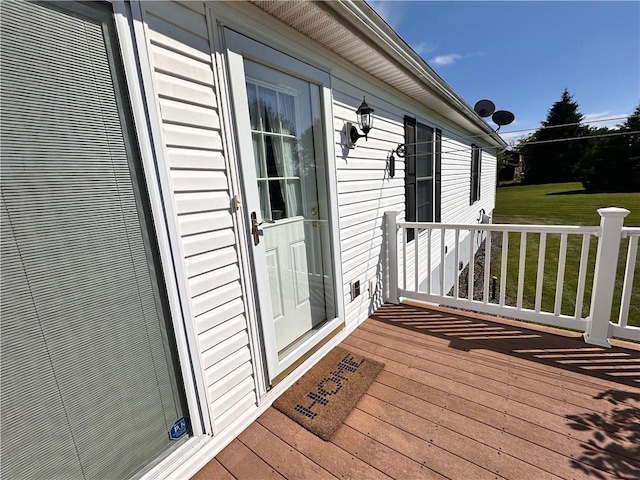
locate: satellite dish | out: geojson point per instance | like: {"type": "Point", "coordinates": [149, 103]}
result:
{"type": "Point", "coordinates": [484, 108]}
{"type": "Point", "coordinates": [503, 117]}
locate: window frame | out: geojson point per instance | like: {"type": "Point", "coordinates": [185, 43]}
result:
{"type": "Point", "coordinates": [411, 126]}
{"type": "Point", "coordinates": [476, 172]}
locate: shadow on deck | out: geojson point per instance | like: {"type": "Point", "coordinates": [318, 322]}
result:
{"type": "Point", "coordinates": [464, 396]}
{"type": "Point", "coordinates": [566, 350]}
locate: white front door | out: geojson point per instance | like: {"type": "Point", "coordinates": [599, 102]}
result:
{"type": "Point", "coordinates": [280, 137]}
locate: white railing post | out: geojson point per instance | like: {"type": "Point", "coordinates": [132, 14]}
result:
{"type": "Point", "coordinates": [392, 254]}
{"type": "Point", "coordinates": [604, 277]}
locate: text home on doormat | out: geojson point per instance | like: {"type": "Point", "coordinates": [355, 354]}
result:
{"type": "Point", "coordinates": [322, 399]}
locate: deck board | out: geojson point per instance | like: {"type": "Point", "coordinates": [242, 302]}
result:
{"type": "Point", "coordinates": [395, 464]}
{"type": "Point", "coordinates": [474, 365]}
{"type": "Point", "coordinates": [488, 357]}
{"type": "Point", "coordinates": [506, 383]}
{"type": "Point", "coordinates": [328, 455]}
{"type": "Point", "coordinates": [463, 396]}
{"type": "Point", "coordinates": [241, 462]}
{"type": "Point", "coordinates": [487, 462]}
{"type": "Point", "coordinates": [280, 456]}
{"type": "Point", "coordinates": [213, 469]}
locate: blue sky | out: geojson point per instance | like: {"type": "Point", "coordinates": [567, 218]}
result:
{"type": "Point", "coordinates": [522, 55]}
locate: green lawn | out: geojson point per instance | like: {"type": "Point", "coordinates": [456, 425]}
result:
{"type": "Point", "coordinates": [563, 204]}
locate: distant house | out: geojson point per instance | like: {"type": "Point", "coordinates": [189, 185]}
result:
{"type": "Point", "coordinates": [514, 169]}
{"type": "Point", "coordinates": [187, 226]}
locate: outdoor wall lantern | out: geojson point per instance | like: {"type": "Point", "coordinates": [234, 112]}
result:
{"type": "Point", "coordinates": [365, 121]}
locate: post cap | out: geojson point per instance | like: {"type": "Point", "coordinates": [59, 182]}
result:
{"type": "Point", "coordinates": [613, 212]}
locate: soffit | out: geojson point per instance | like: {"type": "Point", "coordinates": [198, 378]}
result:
{"type": "Point", "coordinates": [318, 21]}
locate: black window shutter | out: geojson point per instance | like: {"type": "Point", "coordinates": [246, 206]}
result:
{"type": "Point", "coordinates": [410, 172]}
{"type": "Point", "coordinates": [438, 177]}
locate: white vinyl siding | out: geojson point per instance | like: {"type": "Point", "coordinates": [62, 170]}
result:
{"type": "Point", "coordinates": [184, 80]}
{"type": "Point", "coordinates": [365, 190]}
{"type": "Point", "coordinates": [183, 75]}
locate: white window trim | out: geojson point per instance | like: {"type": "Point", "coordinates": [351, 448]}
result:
{"type": "Point", "coordinates": [131, 36]}
{"type": "Point", "coordinates": [430, 178]}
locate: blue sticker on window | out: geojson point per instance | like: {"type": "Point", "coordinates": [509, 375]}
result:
{"type": "Point", "coordinates": [179, 428]}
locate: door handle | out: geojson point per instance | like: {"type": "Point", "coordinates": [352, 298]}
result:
{"type": "Point", "coordinates": [255, 232]}
{"type": "Point", "coordinates": [254, 228]}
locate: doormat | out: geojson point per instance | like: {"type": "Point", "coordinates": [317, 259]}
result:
{"type": "Point", "coordinates": [326, 394]}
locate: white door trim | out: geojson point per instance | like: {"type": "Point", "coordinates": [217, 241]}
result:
{"type": "Point", "coordinates": [238, 47]}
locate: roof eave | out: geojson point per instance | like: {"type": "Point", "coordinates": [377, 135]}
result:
{"type": "Point", "coordinates": [361, 16]}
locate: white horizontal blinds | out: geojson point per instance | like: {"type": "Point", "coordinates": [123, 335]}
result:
{"type": "Point", "coordinates": [84, 340]}
{"type": "Point", "coordinates": [28, 381]}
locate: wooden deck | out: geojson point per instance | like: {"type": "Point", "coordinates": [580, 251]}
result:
{"type": "Point", "coordinates": [463, 396]}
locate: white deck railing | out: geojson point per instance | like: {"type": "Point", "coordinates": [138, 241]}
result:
{"type": "Point", "coordinates": [627, 285]}
{"type": "Point", "coordinates": [434, 254]}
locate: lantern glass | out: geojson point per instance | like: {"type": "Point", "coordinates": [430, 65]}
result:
{"type": "Point", "coordinates": [365, 121]}
{"type": "Point", "coordinates": [365, 116]}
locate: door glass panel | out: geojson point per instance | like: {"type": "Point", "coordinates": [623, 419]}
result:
{"type": "Point", "coordinates": [290, 156]}
{"type": "Point", "coordinates": [258, 151]}
{"type": "Point", "coordinates": [268, 107]}
{"type": "Point", "coordinates": [276, 200]}
{"type": "Point", "coordinates": [265, 204]}
{"type": "Point", "coordinates": [287, 113]}
{"type": "Point", "coordinates": [276, 156]}
{"type": "Point", "coordinates": [254, 111]}
{"type": "Point", "coordinates": [293, 196]}
{"type": "Point", "coordinates": [271, 157]}
{"type": "Point", "coordinates": [294, 204]}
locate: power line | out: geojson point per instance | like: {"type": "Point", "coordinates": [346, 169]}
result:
{"type": "Point", "coordinates": [548, 127]}
{"type": "Point", "coordinates": [468, 149]}
{"type": "Point", "coordinates": [585, 137]}
{"type": "Point", "coordinates": [484, 135]}
{"type": "Point", "coordinates": [539, 128]}
{"type": "Point", "coordinates": [432, 142]}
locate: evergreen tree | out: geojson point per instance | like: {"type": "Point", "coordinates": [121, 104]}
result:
{"type": "Point", "coordinates": [613, 165]}
{"type": "Point", "coordinates": [556, 161]}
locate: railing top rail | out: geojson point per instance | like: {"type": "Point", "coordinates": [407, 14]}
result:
{"type": "Point", "coordinates": [630, 232]}
{"type": "Point", "coordinates": [571, 229]}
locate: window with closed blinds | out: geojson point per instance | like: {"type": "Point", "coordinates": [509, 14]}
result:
{"type": "Point", "coordinates": [90, 385]}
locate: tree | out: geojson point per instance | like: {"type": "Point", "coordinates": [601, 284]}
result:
{"type": "Point", "coordinates": [613, 164]}
{"type": "Point", "coordinates": [548, 159]}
